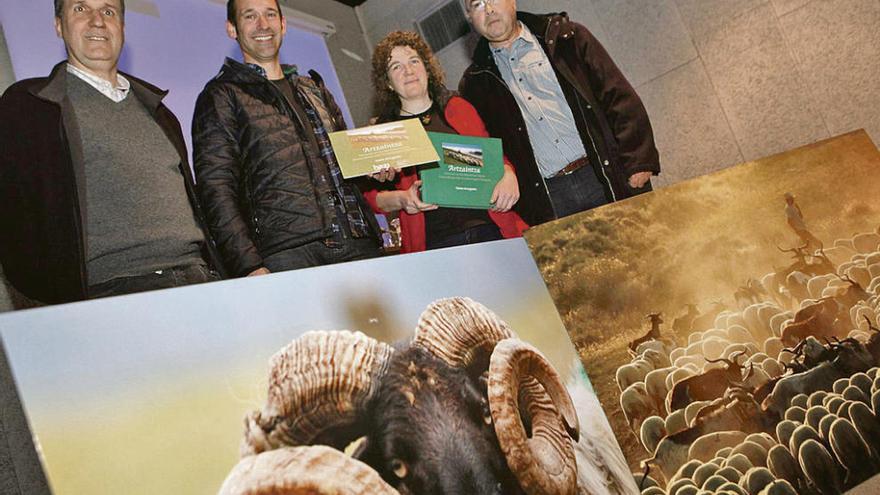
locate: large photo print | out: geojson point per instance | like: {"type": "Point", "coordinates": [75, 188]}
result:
{"type": "Point", "coordinates": [441, 372]}
{"type": "Point", "coordinates": [729, 323]}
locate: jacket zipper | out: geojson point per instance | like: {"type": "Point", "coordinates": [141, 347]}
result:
{"type": "Point", "coordinates": [80, 236]}
{"type": "Point", "coordinates": [306, 131]}
{"type": "Point", "coordinates": [248, 189]}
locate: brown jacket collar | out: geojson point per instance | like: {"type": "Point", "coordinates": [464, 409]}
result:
{"type": "Point", "coordinates": [546, 28]}
{"type": "Point", "coordinates": [54, 89]}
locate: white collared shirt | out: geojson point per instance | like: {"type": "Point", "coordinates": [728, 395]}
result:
{"type": "Point", "coordinates": [106, 88]}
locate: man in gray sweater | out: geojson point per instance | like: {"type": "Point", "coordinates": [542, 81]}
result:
{"type": "Point", "coordinates": [105, 206]}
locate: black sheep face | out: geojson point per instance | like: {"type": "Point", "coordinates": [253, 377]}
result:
{"type": "Point", "coordinates": [431, 432]}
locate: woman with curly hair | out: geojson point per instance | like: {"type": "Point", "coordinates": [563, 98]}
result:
{"type": "Point", "coordinates": [408, 81]}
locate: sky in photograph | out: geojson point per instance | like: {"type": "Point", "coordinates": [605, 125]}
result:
{"type": "Point", "coordinates": [95, 348]}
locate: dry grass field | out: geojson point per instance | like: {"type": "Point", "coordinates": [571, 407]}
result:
{"type": "Point", "coordinates": [694, 242]}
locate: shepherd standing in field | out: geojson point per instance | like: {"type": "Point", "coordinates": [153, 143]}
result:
{"type": "Point", "coordinates": [795, 219]}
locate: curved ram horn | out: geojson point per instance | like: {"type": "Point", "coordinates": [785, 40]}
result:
{"type": "Point", "coordinates": [543, 462]}
{"type": "Point", "coordinates": [750, 372]}
{"type": "Point", "coordinates": [317, 385]}
{"type": "Point", "coordinates": [720, 360]}
{"type": "Point", "coordinates": [846, 278]}
{"type": "Point", "coordinates": [820, 253]}
{"type": "Point", "coordinates": [314, 470]}
{"type": "Point", "coordinates": [870, 326]}
{"type": "Point", "coordinates": [731, 363]}
{"type": "Point", "coordinates": [797, 349]}
{"type": "Point", "coordinates": [457, 329]}
{"type": "Point", "coordinates": [734, 356]}
{"type": "Point", "coordinates": [740, 386]}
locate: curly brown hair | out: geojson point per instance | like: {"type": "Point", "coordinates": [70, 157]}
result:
{"type": "Point", "coordinates": [387, 101]}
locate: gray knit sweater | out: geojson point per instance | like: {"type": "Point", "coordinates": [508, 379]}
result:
{"type": "Point", "coordinates": [138, 217]}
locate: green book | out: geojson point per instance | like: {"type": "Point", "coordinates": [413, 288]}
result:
{"type": "Point", "coordinates": [466, 174]}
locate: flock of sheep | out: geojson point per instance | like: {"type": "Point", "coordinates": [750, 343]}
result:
{"type": "Point", "coordinates": [779, 394]}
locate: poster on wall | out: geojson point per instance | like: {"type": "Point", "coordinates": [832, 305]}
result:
{"type": "Point", "coordinates": [729, 324]}
{"type": "Point", "coordinates": [440, 372]}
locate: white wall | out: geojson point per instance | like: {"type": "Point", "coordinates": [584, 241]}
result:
{"type": "Point", "coordinates": [175, 44]}
{"type": "Point", "coordinates": [724, 81]}
{"type": "Point", "coordinates": [383, 16]}
{"type": "Point", "coordinates": [6, 76]}
{"type": "Point", "coordinates": [353, 74]}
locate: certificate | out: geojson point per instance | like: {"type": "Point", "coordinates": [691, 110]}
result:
{"type": "Point", "coordinates": [467, 172]}
{"type": "Point", "coordinates": [370, 149]}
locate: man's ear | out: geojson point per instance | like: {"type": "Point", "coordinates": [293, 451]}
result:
{"type": "Point", "coordinates": [231, 31]}
{"type": "Point", "coordinates": [58, 26]}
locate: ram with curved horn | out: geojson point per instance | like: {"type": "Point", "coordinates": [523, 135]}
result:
{"type": "Point", "coordinates": [850, 359]}
{"type": "Point", "coordinates": [653, 334]}
{"type": "Point", "coordinates": [463, 407]}
{"type": "Point", "coordinates": [706, 386]}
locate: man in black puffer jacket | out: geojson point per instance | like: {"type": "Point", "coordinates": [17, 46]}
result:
{"type": "Point", "coordinates": [267, 176]}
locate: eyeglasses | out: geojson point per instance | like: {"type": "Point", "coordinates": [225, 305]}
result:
{"type": "Point", "coordinates": [480, 4]}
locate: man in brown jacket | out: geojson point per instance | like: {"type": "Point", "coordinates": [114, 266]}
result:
{"type": "Point", "coordinates": [571, 123]}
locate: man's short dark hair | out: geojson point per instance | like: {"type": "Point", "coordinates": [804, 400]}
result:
{"type": "Point", "coordinates": [230, 11]}
{"type": "Point", "coordinates": [59, 7]}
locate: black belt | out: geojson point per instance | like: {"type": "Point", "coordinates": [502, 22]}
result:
{"type": "Point", "coordinates": [572, 167]}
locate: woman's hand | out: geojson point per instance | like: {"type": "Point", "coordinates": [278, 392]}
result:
{"type": "Point", "coordinates": [506, 192]}
{"type": "Point", "coordinates": [384, 175]}
{"type": "Point", "coordinates": [407, 200]}
{"type": "Point", "coordinates": [411, 201]}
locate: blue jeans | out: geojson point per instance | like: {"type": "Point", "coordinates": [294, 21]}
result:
{"type": "Point", "coordinates": [322, 252]}
{"type": "Point", "coordinates": [473, 235]}
{"type": "Point", "coordinates": [162, 279]}
{"type": "Point", "coordinates": [577, 191]}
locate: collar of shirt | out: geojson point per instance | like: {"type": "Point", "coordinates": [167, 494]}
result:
{"type": "Point", "coordinates": [105, 87]}
{"type": "Point", "coordinates": [288, 70]}
{"type": "Point", "coordinates": [525, 37]}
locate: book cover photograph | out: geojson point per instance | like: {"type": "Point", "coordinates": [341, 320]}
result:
{"type": "Point", "coordinates": [374, 148]}
{"type": "Point", "coordinates": [441, 372]}
{"type": "Point", "coordinates": [466, 174]}
{"type": "Point", "coordinates": [729, 323]}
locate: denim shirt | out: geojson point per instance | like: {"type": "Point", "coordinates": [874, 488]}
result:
{"type": "Point", "coordinates": [528, 74]}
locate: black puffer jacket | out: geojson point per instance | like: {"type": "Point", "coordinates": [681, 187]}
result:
{"type": "Point", "coordinates": [251, 156]}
